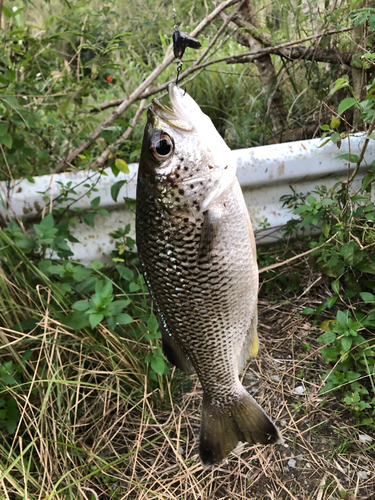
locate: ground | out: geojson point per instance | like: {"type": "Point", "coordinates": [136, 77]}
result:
{"type": "Point", "coordinates": [325, 456]}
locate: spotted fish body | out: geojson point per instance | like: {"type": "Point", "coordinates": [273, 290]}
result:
{"type": "Point", "coordinates": [197, 251]}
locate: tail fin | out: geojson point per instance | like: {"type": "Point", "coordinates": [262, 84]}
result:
{"type": "Point", "coordinates": [223, 428]}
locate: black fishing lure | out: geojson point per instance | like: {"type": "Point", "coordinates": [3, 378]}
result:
{"type": "Point", "coordinates": [181, 41]}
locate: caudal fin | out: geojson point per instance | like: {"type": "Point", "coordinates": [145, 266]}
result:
{"type": "Point", "coordinates": [222, 429]}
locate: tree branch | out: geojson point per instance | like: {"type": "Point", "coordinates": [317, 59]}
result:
{"type": "Point", "coordinates": [363, 151]}
{"type": "Point", "coordinates": [279, 49]}
{"type": "Point", "coordinates": [138, 93]}
{"type": "Point", "coordinates": [279, 264]}
{"type": "Point", "coordinates": [307, 54]}
{"type": "Point", "coordinates": [266, 69]}
{"type": "Point", "coordinates": [252, 55]}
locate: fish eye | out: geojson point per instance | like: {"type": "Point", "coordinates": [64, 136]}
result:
{"type": "Point", "coordinates": [161, 146]}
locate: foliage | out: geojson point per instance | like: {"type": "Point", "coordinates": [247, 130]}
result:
{"type": "Point", "coordinates": [51, 80]}
{"type": "Point", "coordinates": [85, 298]}
{"type": "Point", "coordinates": [86, 340]}
{"type": "Point", "coordinates": [60, 60]}
{"type": "Point", "coordinates": [345, 254]}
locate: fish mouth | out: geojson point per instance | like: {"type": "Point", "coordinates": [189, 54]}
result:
{"type": "Point", "coordinates": [178, 116]}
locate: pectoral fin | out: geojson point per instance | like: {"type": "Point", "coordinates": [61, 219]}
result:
{"type": "Point", "coordinates": [209, 232]}
{"type": "Point", "coordinates": [173, 352]}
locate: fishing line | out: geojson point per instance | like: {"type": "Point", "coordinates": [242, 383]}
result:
{"type": "Point", "coordinates": [180, 42]}
{"type": "Point", "coordinates": [175, 45]}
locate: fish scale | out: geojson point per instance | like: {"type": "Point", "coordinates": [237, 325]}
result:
{"type": "Point", "coordinates": [197, 253]}
{"type": "Point", "coordinates": [176, 291]}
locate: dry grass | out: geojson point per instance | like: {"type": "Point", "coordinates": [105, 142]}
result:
{"type": "Point", "coordinates": [90, 427]}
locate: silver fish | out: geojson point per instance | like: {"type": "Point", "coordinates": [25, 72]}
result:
{"type": "Point", "coordinates": [197, 251]}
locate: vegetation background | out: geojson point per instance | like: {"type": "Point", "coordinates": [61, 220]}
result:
{"type": "Point", "coordinates": [88, 406]}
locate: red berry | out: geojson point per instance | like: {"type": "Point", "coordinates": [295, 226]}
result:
{"type": "Point", "coordinates": [109, 79]}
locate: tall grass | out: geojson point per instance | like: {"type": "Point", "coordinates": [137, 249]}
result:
{"type": "Point", "coordinates": [68, 398]}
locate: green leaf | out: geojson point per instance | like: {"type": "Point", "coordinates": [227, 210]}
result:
{"type": "Point", "coordinates": [117, 306]}
{"type": "Point", "coordinates": [158, 365]}
{"type": "Point", "coordinates": [369, 298]}
{"type": "Point", "coordinates": [63, 288]}
{"type": "Point", "coordinates": [13, 415]}
{"type": "Point", "coordinates": [324, 143]}
{"type": "Point", "coordinates": [335, 122]}
{"type": "Point", "coordinates": [342, 317]}
{"type": "Point", "coordinates": [152, 324]}
{"type": "Point", "coordinates": [89, 219]}
{"type": "Point", "coordinates": [48, 222]}
{"type": "Point", "coordinates": [134, 287]}
{"type": "Point", "coordinates": [302, 209]}
{"type": "Point", "coordinates": [8, 12]}
{"type": "Point", "coordinates": [3, 128]}
{"type": "Point", "coordinates": [308, 310]}
{"type": "Point", "coordinates": [102, 211]}
{"type": "Point", "coordinates": [10, 75]}
{"type": "Point", "coordinates": [368, 178]}
{"type": "Point", "coordinates": [95, 319]}
{"type": "Point", "coordinates": [115, 189]}
{"type": "Point", "coordinates": [96, 265]}
{"type": "Point", "coordinates": [81, 305]}
{"type": "Point", "coordinates": [124, 319]}
{"type": "Point", "coordinates": [331, 301]}
{"type": "Point", "coordinates": [7, 379]}
{"type": "Point", "coordinates": [311, 200]}
{"type": "Point", "coordinates": [340, 83]}
{"type": "Point", "coordinates": [122, 166]}
{"type": "Point", "coordinates": [6, 139]}
{"type": "Point", "coordinates": [330, 354]}
{"type": "Point", "coordinates": [326, 228]}
{"type": "Point", "coordinates": [346, 103]}
{"type": "Point", "coordinates": [336, 286]}
{"type": "Point", "coordinates": [103, 288]}
{"type": "Point", "coordinates": [366, 267]}
{"type": "Point", "coordinates": [327, 337]}
{"type": "Point", "coordinates": [351, 253]}
{"type": "Point", "coordinates": [76, 320]}
{"type": "Point", "coordinates": [346, 343]}
{"type": "Point", "coordinates": [348, 157]}
{"type": "Point", "coordinates": [327, 201]}
{"type": "Point", "coordinates": [359, 198]}
{"type": "Point", "coordinates": [95, 202]}
{"type": "Point", "coordinates": [324, 127]}
{"type": "Point", "coordinates": [115, 170]}
{"type": "Point", "coordinates": [335, 137]}
{"type": "Point", "coordinates": [125, 273]}
{"type": "Point", "coordinates": [112, 322]}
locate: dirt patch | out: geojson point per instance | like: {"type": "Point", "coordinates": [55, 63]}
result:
{"type": "Point", "coordinates": [325, 455]}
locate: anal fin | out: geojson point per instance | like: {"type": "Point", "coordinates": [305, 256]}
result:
{"type": "Point", "coordinates": [251, 345]}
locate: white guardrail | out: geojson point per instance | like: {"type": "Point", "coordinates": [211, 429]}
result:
{"type": "Point", "coordinates": [265, 174]}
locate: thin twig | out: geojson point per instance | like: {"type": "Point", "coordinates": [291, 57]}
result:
{"type": "Point", "coordinates": [228, 59]}
{"type": "Point", "coordinates": [279, 264]}
{"type": "Point", "coordinates": [138, 93]}
{"type": "Point", "coordinates": [99, 162]}
{"type": "Point", "coordinates": [363, 151]}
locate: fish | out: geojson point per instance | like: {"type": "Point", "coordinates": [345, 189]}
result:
{"type": "Point", "coordinates": [197, 253]}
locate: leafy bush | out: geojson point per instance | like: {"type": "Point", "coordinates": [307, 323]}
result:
{"type": "Point", "coordinates": [51, 81]}
{"type": "Point", "coordinates": [345, 253]}
{"type": "Point", "coordinates": [36, 268]}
